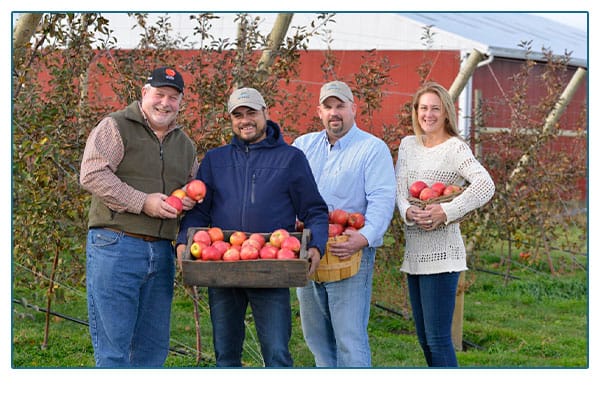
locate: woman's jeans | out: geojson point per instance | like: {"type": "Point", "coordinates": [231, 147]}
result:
{"type": "Point", "coordinates": [129, 293]}
{"type": "Point", "coordinates": [432, 298]}
{"type": "Point", "coordinates": [272, 317]}
{"type": "Point", "coordinates": [335, 316]}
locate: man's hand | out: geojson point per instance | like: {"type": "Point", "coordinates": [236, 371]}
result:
{"type": "Point", "coordinates": [179, 251]}
{"type": "Point", "coordinates": [156, 207]}
{"type": "Point", "coordinates": [355, 242]}
{"type": "Point", "coordinates": [314, 256]}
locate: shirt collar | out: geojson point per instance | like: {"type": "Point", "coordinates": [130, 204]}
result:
{"type": "Point", "coordinates": [344, 140]}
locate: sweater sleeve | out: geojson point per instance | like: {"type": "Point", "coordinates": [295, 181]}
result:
{"type": "Point", "coordinates": [480, 190]}
{"type": "Point", "coordinates": [402, 182]}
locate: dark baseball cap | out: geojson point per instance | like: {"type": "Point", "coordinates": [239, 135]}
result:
{"type": "Point", "coordinates": [166, 76]}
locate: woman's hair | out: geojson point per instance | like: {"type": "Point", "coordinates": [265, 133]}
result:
{"type": "Point", "coordinates": [447, 108]}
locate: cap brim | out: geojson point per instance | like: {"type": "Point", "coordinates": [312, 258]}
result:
{"type": "Point", "coordinates": [157, 85]}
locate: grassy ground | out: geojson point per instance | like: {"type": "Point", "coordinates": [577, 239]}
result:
{"type": "Point", "coordinates": [536, 321]}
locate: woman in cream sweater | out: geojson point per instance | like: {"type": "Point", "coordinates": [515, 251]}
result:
{"type": "Point", "coordinates": [434, 250]}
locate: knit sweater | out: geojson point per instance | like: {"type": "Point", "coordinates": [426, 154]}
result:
{"type": "Point", "coordinates": [451, 162]}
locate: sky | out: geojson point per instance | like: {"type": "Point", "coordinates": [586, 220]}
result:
{"type": "Point", "coordinates": [347, 384]}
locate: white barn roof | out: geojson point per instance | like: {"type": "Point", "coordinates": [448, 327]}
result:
{"type": "Point", "coordinates": [492, 33]}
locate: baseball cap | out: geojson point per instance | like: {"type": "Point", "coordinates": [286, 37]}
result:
{"type": "Point", "coordinates": [337, 89]}
{"type": "Point", "coordinates": [166, 76]}
{"type": "Point", "coordinates": [247, 97]}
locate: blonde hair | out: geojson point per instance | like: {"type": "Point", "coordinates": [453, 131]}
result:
{"type": "Point", "coordinates": [450, 124]}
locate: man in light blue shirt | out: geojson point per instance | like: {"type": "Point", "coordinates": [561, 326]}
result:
{"type": "Point", "coordinates": [354, 171]}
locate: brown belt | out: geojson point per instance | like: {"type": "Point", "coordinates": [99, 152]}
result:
{"type": "Point", "coordinates": [136, 235]}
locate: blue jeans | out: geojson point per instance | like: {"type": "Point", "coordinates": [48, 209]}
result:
{"type": "Point", "coordinates": [129, 293]}
{"type": "Point", "coordinates": [272, 317]}
{"type": "Point", "coordinates": [432, 298]}
{"type": "Point", "coordinates": [335, 316]}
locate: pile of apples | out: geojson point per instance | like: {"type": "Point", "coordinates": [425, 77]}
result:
{"type": "Point", "coordinates": [195, 189]}
{"type": "Point", "coordinates": [420, 190]}
{"type": "Point", "coordinates": [210, 245]}
{"type": "Point", "coordinates": [340, 220]}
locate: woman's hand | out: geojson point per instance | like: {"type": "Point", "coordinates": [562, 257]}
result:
{"type": "Point", "coordinates": [427, 219]}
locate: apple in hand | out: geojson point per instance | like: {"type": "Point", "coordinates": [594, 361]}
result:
{"type": "Point", "coordinates": [451, 189]}
{"type": "Point", "coordinates": [195, 189]}
{"type": "Point", "coordinates": [278, 236]}
{"type": "Point", "coordinates": [416, 187]}
{"type": "Point", "coordinates": [428, 194]}
{"type": "Point", "coordinates": [176, 203]}
{"type": "Point", "coordinates": [356, 220]}
{"type": "Point", "coordinates": [438, 187]}
{"type": "Point", "coordinates": [179, 193]}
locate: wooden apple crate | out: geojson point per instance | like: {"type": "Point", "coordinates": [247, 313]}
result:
{"type": "Point", "coordinates": [246, 273]}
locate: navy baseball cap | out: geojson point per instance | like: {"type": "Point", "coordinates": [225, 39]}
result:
{"type": "Point", "coordinates": [166, 76]}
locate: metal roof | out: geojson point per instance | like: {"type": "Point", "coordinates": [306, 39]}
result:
{"type": "Point", "coordinates": [500, 33]}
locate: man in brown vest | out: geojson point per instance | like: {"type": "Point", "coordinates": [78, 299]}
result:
{"type": "Point", "coordinates": [133, 159]}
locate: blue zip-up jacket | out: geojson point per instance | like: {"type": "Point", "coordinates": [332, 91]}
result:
{"type": "Point", "coordinates": [259, 187]}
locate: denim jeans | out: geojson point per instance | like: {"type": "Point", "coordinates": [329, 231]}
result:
{"type": "Point", "coordinates": [335, 316]}
{"type": "Point", "coordinates": [432, 298]}
{"type": "Point", "coordinates": [272, 317]}
{"type": "Point", "coordinates": [129, 293]}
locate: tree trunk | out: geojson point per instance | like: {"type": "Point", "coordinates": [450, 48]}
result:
{"type": "Point", "coordinates": [276, 37]}
{"type": "Point", "coordinates": [24, 30]}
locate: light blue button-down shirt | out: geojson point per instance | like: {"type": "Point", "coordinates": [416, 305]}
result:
{"type": "Point", "coordinates": [356, 175]}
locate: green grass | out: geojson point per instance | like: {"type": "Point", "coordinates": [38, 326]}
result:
{"type": "Point", "coordinates": [537, 321]}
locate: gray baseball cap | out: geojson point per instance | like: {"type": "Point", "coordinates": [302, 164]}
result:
{"type": "Point", "coordinates": [247, 97]}
{"type": "Point", "coordinates": [337, 89]}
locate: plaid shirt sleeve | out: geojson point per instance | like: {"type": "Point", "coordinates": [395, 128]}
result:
{"type": "Point", "coordinates": [102, 155]}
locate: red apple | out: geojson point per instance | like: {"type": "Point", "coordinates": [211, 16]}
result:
{"type": "Point", "coordinates": [278, 236]}
{"type": "Point", "coordinates": [232, 254]}
{"type": "Point", "coordinates": [339, 216]}
{"type": "Point", "coordinates": [356, 220]}
{"type": "Point", "coordinates": [259, 238]}
{"type": "Point", "coordinates": [176, 203]}
{"type": "Point", "coordinates": [196, 249]}
{"type": "Point", "coordinates": [237, 238]}
{"type": "Point", "coordinates": [249, 253]}
{"type": "Point", "coordinates": [215, 234]}
{"type": "Point", "coordinates": [268, 252]}
{"type": "Point", "coordinates": [292, 243]}
{"type": "Point", "coordinates": [451, 189]}
{"type": "Point", "coordinates": [416, 187]}
{"type": "Point", "coordinates": [285, 254]}
{"type": "Point", "coordinates": [196, 189]}
{"type": "Point", "coordinates": [221, 245]}
{"type": "Point", "coordinates": [428, 193]}
{"type": "Point", "coordinates": [251, 242]}
{"type": "Point", "coordinates": [335, 230]}
{"type": "Point", "coordinates": [438, 187]}
{"type": "Point", "coordinates": [211, 253]}
{"type": "Point", "coordinates": [201, 236]}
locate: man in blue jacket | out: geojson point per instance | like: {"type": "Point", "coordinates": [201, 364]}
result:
{"type": "Point", "coordinates": [257, 183]}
